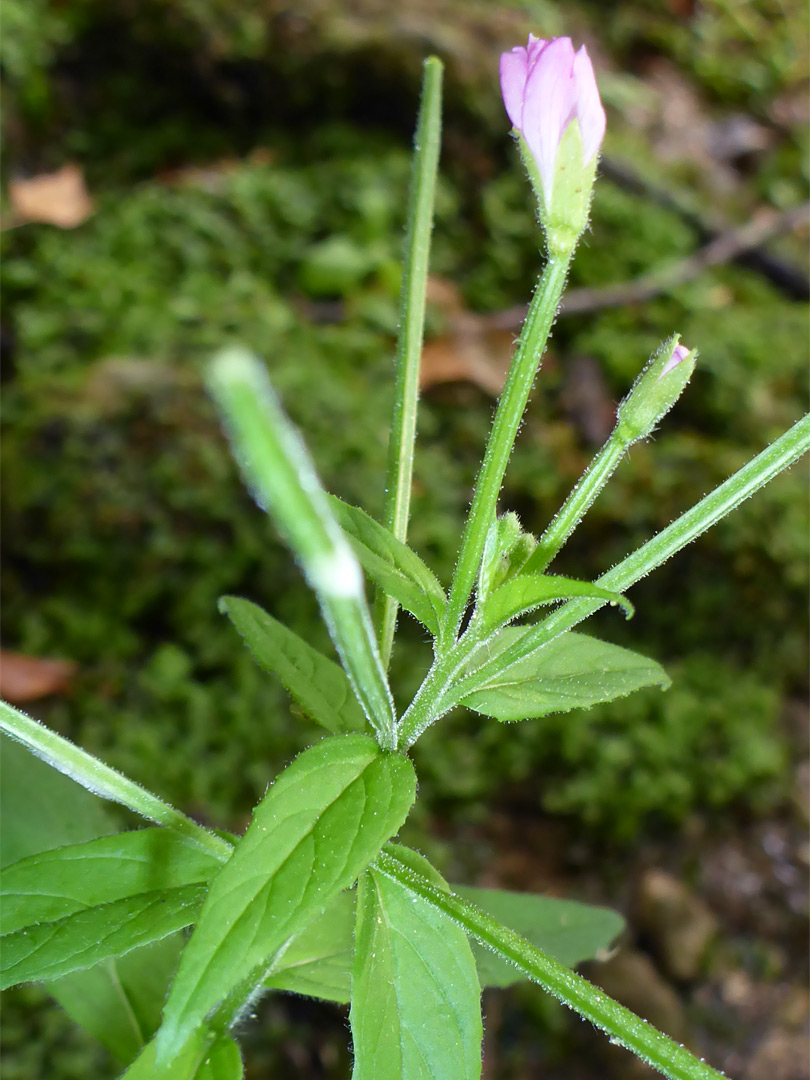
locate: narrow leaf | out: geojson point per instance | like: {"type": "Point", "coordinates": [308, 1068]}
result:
{"type": "Point", "coordinates": [569, 931]}
{"type": "Point", "coordinates": [315, 682]}
{"type": "Point", "coordinates": [318, 962]}
{"type": "Point", "coordinates": [279, 470]}
{"type": "Point", "coordinates": [524, 592]}
{"type": "Point", "coordinates": [416, 1012]}
{"type": "Point", "coordinates": [323, 820]}
{"type": "Point", "coordinates": [118, 1001]}
{"type": "Point", "coordinates": [574, 671]}
{"type": "Point", "coordinates": [56, 884]}
{"type": "Point", "coordinates": [393, 565]}
{"type": "Point", "coordinates": [51, 949]}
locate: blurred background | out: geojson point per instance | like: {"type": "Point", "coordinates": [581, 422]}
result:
{"type": "Point", "coordinates": [180, 174]}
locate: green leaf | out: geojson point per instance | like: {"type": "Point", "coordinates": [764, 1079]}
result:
{"type": "Point", "coordinates": [524, 592]}
{"type": "Point", "coordinates": [318, 962]}
{"type": "Point", "coordinates": [569, 931]}
{"type": "Point", "coordinates": [315, 682]}
{"type": "Point", "coordinates": [573, 671]}
{"type": "Point", "coordinates": [76, 906]}
{"type": "Point", "coordinates": [54, 885]}
{"type": "Point", "coordinates": [41, 808]}
{"type": "Point", "coordinates": [395, 567]}
{"type": "Point", "coordinates": [416, 1011]}
{"type": "Point", "coordinates": [223, 1062]}
{"type": "Point", "coordinates": [204, 1057]}
{"type": "Point", "coordinates": [323, 820]}
{"type": "Point", "coordinates": [119, 1001]}
{"type": "Point", "coordinates": [51, 949]}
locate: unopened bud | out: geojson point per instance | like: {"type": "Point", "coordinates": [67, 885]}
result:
{"type": "Point", "coordinates": [656, 390]}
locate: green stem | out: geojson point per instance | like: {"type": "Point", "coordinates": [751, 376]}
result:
{"type": "Point", "coordinates": [278, 468]}
{"type": "Point", "coordinates": [777, 457]}
{"type": "Point", "coordinates": [423, 710]}
{"type": "Point", "coordinates": [104, 781]}
{"type": "Point", "coordinates": [505, 426]}
{"type": "Point", "coordinates": [619, 1023]}
{"type": "Point", "coordinates": [577, 504]}
{"type": "Point", "coordinates": [399, 475]}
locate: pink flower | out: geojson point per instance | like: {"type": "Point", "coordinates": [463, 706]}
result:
{"type": "Point", "coordinates": [679, 354]}
{"type": "Point", "coordinates": [545, 87]}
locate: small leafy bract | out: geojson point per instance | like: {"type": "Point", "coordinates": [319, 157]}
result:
{"type": "Point", "coordinates": [394, 566]}
{"type": "Point", "coordinates": [569, 931]}
{"type": "Point", "coordinates": [323, 820]}
{"type": "Point", "coordinates": [416, 1011]}
{"type": "Point", "coordinates": [573, 671]}
{"type": "Point", "coordinates": [315, 682]}
{"type": "Point", "coordinates": [524, 592]}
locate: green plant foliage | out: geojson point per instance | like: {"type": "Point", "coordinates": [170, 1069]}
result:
{"type": "Point", "coordinates": [393, 566]}
{"type": "Point", "coordinates": [323, 820]}
{"type": "Point", "coordinates": [416, 1012]}
{"type": "Point", "coordinates": [568, 931]}
{"type": "Point", "coordinates": [316, 683]}
{"type": "Point", "coordinates": [573, 671]}
{"type": "Point", "coordinates": [71, 908]}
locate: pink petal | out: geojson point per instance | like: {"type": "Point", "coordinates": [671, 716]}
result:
{"type": "Point", "coordinates": [549, 106]}
{"type": "Point", "coordinates": [590, 114]}
{"type": "Point", "coordinates": [514, 68]}
{"type": "Point", "coordinates": [679, 354]}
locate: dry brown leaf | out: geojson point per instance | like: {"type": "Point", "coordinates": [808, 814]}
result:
{"type": "Point", "coordinates": [58, 198]}
{"type": "Point", "coordinates": [471, 351]}
{"type": "Point", "coordinates": [28, 678]}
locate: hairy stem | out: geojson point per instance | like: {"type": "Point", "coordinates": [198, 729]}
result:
{"type": "Point", "coordinates": [619, 1023]}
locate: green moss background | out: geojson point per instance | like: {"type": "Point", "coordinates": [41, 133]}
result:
{"type": "Point", "coordinates": [124, 518]}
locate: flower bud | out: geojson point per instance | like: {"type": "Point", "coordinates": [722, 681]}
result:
{"type": "Point", "coordinates": [656, 390]}
{"type": "Point", "coordinates": [551, 97]}
{"type": "Point", "coordinates": [506, 550]}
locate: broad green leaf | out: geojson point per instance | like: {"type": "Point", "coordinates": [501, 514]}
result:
{"type": "Point", "coordinates": [321, 823]}
{"type": "Point", "coordinates": [54, 885]}
{"type": "Point", "coordinates": [416, 1010]}
{"type": "Point", "coordinates": [119, 1001]}
{"type": "Point", "coordinates": [204, 1057]}
{"type": "Point", "coordinates": [41, 808]}
{"type": "Point", "coordinates": [315, 682]}
{"type": "Point", "coordinates": [395, 567]}
{"type": "Point", "coordinates": [318, 962]}
{"type": "Point", "coordinates": [524, 592]}
{"type": "Point", "coordinates": [49, 950]}
{"type": "Point", "coordinates": [569, 931]}
{"type": "Point", "coordinates": [573, 671]}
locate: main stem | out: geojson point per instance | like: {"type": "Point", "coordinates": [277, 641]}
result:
{"type": "Point", "coordinates": [623, 1026]}
{"type": "Point", "coordinates": [505, 426]}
